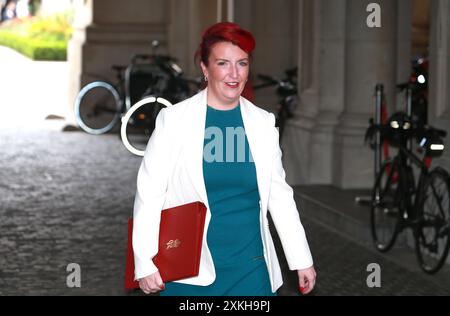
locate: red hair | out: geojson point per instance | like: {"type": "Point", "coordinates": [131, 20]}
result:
{"type": "Point", "coordinates": [227, 32]}
{"type": "Point", "coordinates": [224, 32]}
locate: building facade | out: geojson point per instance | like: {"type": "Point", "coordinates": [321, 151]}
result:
{"type": "Point", "coordinates": [340, 59]}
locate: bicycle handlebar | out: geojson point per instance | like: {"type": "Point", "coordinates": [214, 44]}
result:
{"type": "Point", "coordinates": [263, 85]}
{"type": "Point", "coordinates": [137, 57]}
{"type": "Point", "coordinates": [268, 79]}
{"type": "Point", "coordinates": [418, 131]}
{"type": "Point", "coordinates": [433, 130]}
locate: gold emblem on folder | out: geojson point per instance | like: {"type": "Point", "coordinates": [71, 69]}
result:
{"type": "Point", "coordinates": [173, 244]}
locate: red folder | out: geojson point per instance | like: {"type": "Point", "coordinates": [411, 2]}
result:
{"type": "Point", "coordinates": [180, 244]}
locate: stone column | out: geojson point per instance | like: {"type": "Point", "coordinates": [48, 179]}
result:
{"type": "Point", "coordinates": [108, 32]}
{"type": "Point", "coordinates": [439, 73]}
{"type": "Point", "coordinates": [188, 21]}
{"type": "Point", "coordinates": [404, 49]}
{"type": "Point", "coordinates": [370, 58]}
{"type": "Point", "coordinates": [331, 90]}
{"type": "Point", "coordinates": [83, 18]}
{"type": "Point", "coordinates": [297, 134]}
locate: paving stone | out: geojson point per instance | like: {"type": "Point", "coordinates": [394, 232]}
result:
{"type": "Point", "coordinates": [66, 198]}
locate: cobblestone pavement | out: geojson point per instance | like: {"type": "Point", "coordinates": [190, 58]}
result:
{"type": "Point", "coordinates": [66, 197]}
{"type": "Point", "coordinates": [341, 266]}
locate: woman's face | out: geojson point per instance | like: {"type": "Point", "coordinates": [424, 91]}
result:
{"type": "Point", "coordinates": [227, 73]}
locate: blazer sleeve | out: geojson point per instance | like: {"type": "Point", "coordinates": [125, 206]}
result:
{"type": "Point", "coordinates": [284, 212]}
{"type": "Point", "coordinates": [151, 191]}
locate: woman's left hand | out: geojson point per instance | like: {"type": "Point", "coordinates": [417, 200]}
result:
{"type": "Point", "coordinates": [307, 279]}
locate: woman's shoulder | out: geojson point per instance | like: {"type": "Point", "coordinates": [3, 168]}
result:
{"type": "Point", "coordinates": [179, 116]}
{"type": "Point", "coordinates": [265, 117]}
{"type": "Point", "coordinates": [182, 106]}
{"type": "Point", "coordinates": [174, 113]}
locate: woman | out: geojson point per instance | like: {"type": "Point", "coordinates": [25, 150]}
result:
{"type": "Point", "coordinates": [218, 148]}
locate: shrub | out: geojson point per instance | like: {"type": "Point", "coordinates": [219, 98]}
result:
{"type": "Point", "coordinates": [39, 38]}
{"type": "Point", "coordinates": [56, 27]}
{"type": "Point", "coordinates": [35, 49]}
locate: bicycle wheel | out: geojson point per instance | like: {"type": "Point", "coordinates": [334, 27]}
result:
{"type": "Point", "coordinates": [433, 229]}
{"type": "Point", "coordinates": [139, 122]}
{"type": "Point", "coordinates": [385, 211]}
{"type": "Point", "coordinates": [97, 107]}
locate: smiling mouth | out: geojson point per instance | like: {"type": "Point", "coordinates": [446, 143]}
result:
{"type": "Point", "coordinates": [232, 84]}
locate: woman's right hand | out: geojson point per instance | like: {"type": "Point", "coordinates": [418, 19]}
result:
{"type": "Point", "coordinates": [152, 283]}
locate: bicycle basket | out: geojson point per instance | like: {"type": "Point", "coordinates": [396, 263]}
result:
{"type": "Point", "coordinates": [397, 129]}
{"type": "Point", "coordinates": [142, 80]}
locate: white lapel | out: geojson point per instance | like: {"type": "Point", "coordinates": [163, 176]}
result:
{"type": "Point", "coordinates": [195, 128]}
{"type": "Point", "coordinates": [254, 129]}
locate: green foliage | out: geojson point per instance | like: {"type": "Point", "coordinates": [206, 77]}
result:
{"type": "Point", "coordinates": [56, 27]}
{"type": "Point", "coordinates": [35, 49]}
{"type": "Point", "coordinates": [40, 38]}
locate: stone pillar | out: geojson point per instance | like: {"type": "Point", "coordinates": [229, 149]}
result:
{"type": "Point", "coordinates": [370, 58]}
{"type": "Point", "coordinates": [108, 32]}
{"type": "Point", "coordinates": [404, 48]}
{"type": "Point", "coordinates": [331, 92]}
{"type": "Point", "coordinates": [82, 19]}
{"type": "Point", "coordinates": [439, 73]}
{"type": "Point", "coordinates": [297, 134]}
{"type": "Point", "coordinates": [188, 21]}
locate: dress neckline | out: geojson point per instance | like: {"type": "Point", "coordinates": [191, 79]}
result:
{"type": "Point", "coordinates": [217, 110]}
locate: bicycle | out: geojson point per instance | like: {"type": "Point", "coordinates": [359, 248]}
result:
{"type": "Point", "coordinates": [286, 90]}
{"type": "Point", "coordinates": [100, 104]}
{"type": "Point", "coordinates": [416, 90]}
{"type": "Point", "coordinates": [398, 203]}
{"type": "Point", "coordinates": [170, 87]}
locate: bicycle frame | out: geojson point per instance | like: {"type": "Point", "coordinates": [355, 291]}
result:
{"type": "Point", "coordinates": [411, 207]}
{"type": "Point", "coordinates": [119, 85]}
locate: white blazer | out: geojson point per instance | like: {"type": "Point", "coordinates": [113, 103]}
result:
{"type": "Point", "coordinates": [171, 174]}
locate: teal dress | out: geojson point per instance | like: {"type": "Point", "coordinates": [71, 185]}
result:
{"type": "Point", "coordinates": [233, 234]}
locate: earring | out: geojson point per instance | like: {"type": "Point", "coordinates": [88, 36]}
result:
{"type": "Point", "coordinates": [206, 78]}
